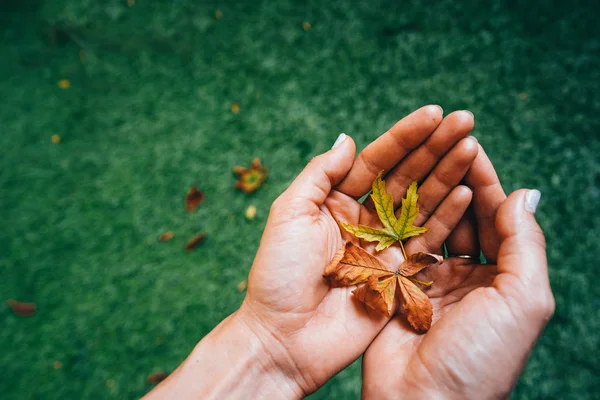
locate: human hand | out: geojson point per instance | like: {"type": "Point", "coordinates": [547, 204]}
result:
{"type": "Point", "coordinates": [309, 330]}
{"type": "Point", "coordinates": [486, 317]}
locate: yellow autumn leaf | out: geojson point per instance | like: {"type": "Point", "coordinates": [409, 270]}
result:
{"type": "Point", "coordinates": [371, 235]}
{"type": "Point", "coordinates": [404, 227]}
{"type": "Point", "coordinates": [394, 229]}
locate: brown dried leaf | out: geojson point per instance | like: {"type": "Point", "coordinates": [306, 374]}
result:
{"type": "Point", "coordinates": [352, 265]}
{"type": "Point", "coordinates": [195, 242]}
{"type": "Point", "coordinates": [379, 295]}
{"type": "Point", "coordinates": [415, 305]}
{"type": "Point", "coordinates": [157, 377]}
{"type": "Point", "coordinates": [250, 179]}
{"type": "Point", "coordinates": [21, 309]}
{"type": "Point", "coordinates": [416, 262]}
{"type": "Point", "coordinates": [166, 236]}
{"type": "Point", "coordinates": [193, 198]}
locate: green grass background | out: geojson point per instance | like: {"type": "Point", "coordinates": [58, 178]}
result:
{"type": "Point", "coordinates": [148, 115]}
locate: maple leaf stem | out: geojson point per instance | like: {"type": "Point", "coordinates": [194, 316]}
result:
{"type": "Point", "coordinates": [403, 251]}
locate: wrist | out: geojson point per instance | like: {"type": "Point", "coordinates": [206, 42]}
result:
{"type": "Point", "coordinates": [230, 362]}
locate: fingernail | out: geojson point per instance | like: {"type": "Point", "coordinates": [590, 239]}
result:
{"type": "Point", "coordinates": [532, 198]}
{"type": "Point", "coordinates": [467, 111]}
{"type": "Point", "coordinates": [441, 109]}
{"type": "Point", "coordinates": [474, 138]}
{"type": "Point", "coordinates": [339, 140]}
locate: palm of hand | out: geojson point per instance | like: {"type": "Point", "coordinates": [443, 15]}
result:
{"type": "Point", "coordinates": [288, 291]}
{"type": "Point", "coordinates": [448, 356]}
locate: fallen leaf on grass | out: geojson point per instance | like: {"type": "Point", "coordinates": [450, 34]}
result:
{"type": "Point", "coordinates": [157, 377]}
{"type": "Point", "coordinates": [193, 199]}
{"type": "Point", "coordinates": [55, 139]}
{"type": "Point", "coordinates": [251, 212]}
{"type": "Point", "coordinates": [195, 242]}
{"type": "Point", "coordinates": [235, 108]}
{"type": "Point", "coordinates": [394, 229]}
{"type": "Point", "coordinates": [21, 309]}
{"type": "Point", "coordinates": [64, 84]}
{"type": "Point", "coordinates": [165, 237]}
{"type": "Point", "coordinates": [250, 179]}
{"type": "Point", "coordinates": [352, 265]}
{"type": "Point", "coordinates": [242, 286]}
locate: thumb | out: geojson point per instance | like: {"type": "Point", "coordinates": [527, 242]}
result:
{"type": "Point", "coordinates": [522, 253]}
{"type": "Point", "coordinates": [323, 172]}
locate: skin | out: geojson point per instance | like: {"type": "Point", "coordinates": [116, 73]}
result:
{"type": "Point", "coordinates": [293, 332]}
{"type": "Point", "coordinates": [487, 318]}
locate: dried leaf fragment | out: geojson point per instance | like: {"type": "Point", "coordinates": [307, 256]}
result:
{"type": "Point", "coordinates": [352, 265]}
{"type": "Point", "coordinates": [415, 305]}
{"type": "Point", "coordinates": [242, 286]}
{"type": "Point", "coordinates": [235, 108]}
{"type": "Point", "coordinates": [195, 242]}
{"type": "Point", "coordinates": [21, 309]}
{"type": "Point", "coordinates": [64, 84]}
{"type": "Point", "coordinates": [193, 199]}
{"type": "Point", "coordinates": [250, 179]}
{"type": "Point", "coordinates": [166, 236]}
{"type": "Point", "coordinates": [379, 295]}
{"type": "Point", "coordinates": [55, 139]}
{"type": "Point", "coordinates": [157, 377]}
{"type": "Point", "coordinates": [394, 229]}
{"type": "Point", "coordinates": [306, 25]}
{"type": "Point", "coordinates": [251, 212]}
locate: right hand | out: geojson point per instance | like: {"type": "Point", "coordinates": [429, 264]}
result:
{"type": "Point", "coordinates": [487, 318]}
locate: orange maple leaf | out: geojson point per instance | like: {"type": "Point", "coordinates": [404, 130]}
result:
{"type": "Point", "coordinates": [352, 265]}
{"type": "Point", "coordinates": [250, 179]}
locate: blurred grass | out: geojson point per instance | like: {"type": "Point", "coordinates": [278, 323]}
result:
{"type": "Point", "coordinates": [148, 114]}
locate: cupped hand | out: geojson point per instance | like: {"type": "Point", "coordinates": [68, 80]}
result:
{"type": "Point", "coordinates": [486, 317]}
{"type": "Point", "coordinates": [309, 330]}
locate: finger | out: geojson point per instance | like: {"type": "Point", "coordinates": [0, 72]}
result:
{"type": "Point", "coordinates": [487, 197]}
{"type": "Point", "coordinates": [442, 222]}
{"type": "Point", "coordinates": [522, 265]}
{"type": "Point", "coordinates": [420, 162]}
{"type": "Point", "coordinates": [463, 239]}
{"type": "Point", "coordinates": [314, 183]}
{"type": "Point", "coordinates": [391, 147]}
{"type": "Point", "coordinates": [445, 177]}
